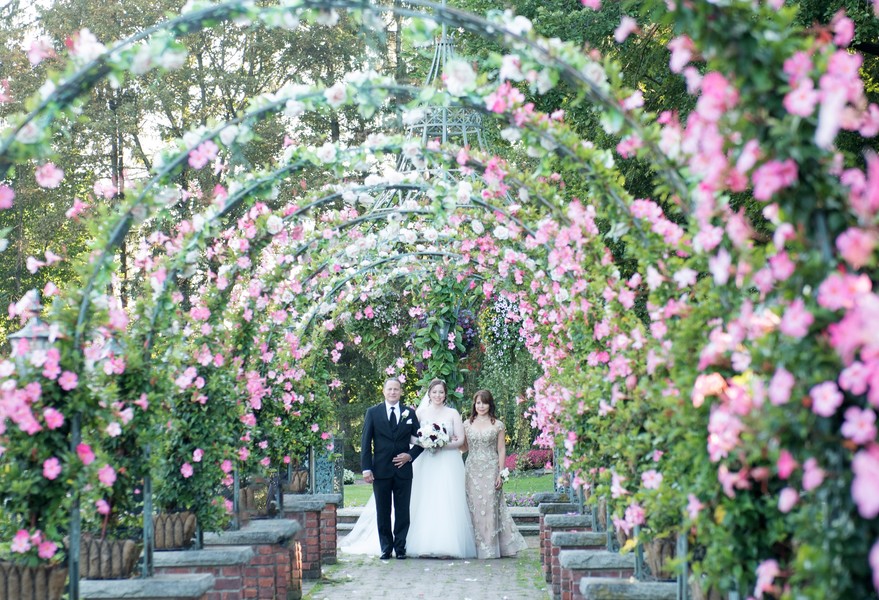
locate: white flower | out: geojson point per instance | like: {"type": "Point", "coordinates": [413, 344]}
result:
{"type": "Point", "coordinates": [29, 134]}
{"type": "Point", "coordinates": [519, 25]}
{"type": "Point", "coordinates": [336, 95]}
{"type": "Point", "coordinates": [430, 234]}
{"type": "Point", "coordinates": [86, 46]}
{"type": "Point", "coordinates": [501, 232]}
{"type": "Point", "coordinates": [274, 224]}
{"type": "Point", "coordinates": [464, 191]}
{"type": "Point", "coordinates": [294, 108]}
{"type": "Point", "coordinates": [228, 134]}
{"type": "Point", "coordinates": [327, 17]}
{"type": "Point", "coordinates": [511, 68]}
{"type": "Point", "coordinates": [326, 153]}
{"type": "Point", "coordinates": [408, 236]}
{"type": "Point", "coordinates": [505, 474]}
{"type": "Point", "coordinates": [404, 414]}
{"type": "Point", "coordinates": [143, 60]}
{"type": "Point", "coordinates": [460, 77]}
{"type": "Point", "coordinates": [511, 134]}
{"type": "Point", "coordinates": [410, 117]}
{"type": "Point", "coordinates": [476, 226]}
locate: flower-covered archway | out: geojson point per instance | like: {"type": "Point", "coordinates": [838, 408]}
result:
{"type": "Point", "coordinates": [755, 256]}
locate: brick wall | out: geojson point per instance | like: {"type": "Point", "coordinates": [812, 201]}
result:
{"type": "Point", "coordinates": [570, 579]}
{"type": "Point", "coordinates": [310, 541]}
{"type": "Point", "coordinates": [228, 580]}
{"type": "Point", "coordinates": [328, 535]}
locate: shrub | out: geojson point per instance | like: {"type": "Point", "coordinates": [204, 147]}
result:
{"type": "Point", "coordinates": [348, 477]}
{"type": "Point", "coordinates": [510, 463]}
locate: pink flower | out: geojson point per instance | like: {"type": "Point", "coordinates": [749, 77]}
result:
{"type": "Point", "coordinates": [205, 153]}
{"type": "Point", "coordinates": [796, 320]}
{"type": "Point", "coordinates": [787, 499]}
{"type": "Point", "coordinates": [51, 468]}
{"type": "Point", "coordinates": [681, 52]}
{"type": "Point", "coordinates": [801, 100]}
{"type": "Point", "coordinates": [829, 115]}
{"type": "Point", "coordinates": [780, 386]}
{"type": "Point", "coordinates": [694, 506]}
{"type": "Point", "coordinates": [226, 466]}
{"type": "Point", "coordinates": [785, 465]}
{"type": "Point", "coordinates": [21, 542]}
{"type": "Point", "coordinates": [874, 551]}
{"type": "Point", "coordinates": [54, 419]}
{"type": "Point", "coordinates": [85, 454]}
{"type": "Point", "coordinates": [860, 425]}
{"type": "Point", "coordinates": [47, 550]}
{"type": "Point", "coordinates": [651, 479]}
{"type": "Point", "coordinates": [49, 176]}
{"type": "Point", "coordinates": [68, 381]}
{"type": "Point", "coordinates": [197, 455]}
{"type": "Point", "coordinates": [826, 398]}
{"type": "Point", "coordinates": [856, 246]}
{"type": "Point", "coordinates": [767, 571]}
{"type": "Point", "coordinates": [627, 26]}
{"type": "Point", "coordinates": [865, 487]}
{"type": "Point", "coordinates": [843, 29]}
{"type": "Point", "coordinates": [772, 176]}
{"type": "Point", "coordinates": [107, 475]}
{"type": "Point", "coordinates": [7, 195]}
{"type": "Point", "coordinates": [635, 514]}
{"type": "Point", "coordinates": [186, 470]}
{"type": "Point", "coordinates": [102, 506]}
{"type": "Point", "coordinates": [813, 475]}
{"type": "Point", "coordinates": [40, 49]}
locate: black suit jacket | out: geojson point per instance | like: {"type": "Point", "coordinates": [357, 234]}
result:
{"type": "Point", "coordinates": [381, 443]}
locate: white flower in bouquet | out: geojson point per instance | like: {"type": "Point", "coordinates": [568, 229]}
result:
{"type": "Point", "coordinates": [505, 474]}
{"type": "Point", "coordinates": [433, 436]}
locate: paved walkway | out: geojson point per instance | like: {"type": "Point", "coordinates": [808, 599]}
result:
{"type": "Point", "coordinates": [357, 577]}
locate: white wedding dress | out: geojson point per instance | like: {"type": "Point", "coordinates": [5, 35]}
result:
{"type": "Point", "coordinates": [439, 519]}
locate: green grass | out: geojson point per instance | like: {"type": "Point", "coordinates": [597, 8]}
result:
{"type": "Point", "coordinates": [358, 494]}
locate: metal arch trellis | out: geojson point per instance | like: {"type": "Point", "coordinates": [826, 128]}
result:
{"type": "Point", "coordinates": [100, 69]}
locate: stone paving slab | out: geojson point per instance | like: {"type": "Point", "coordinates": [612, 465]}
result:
{"type": "Point", "coordinates": [366, 577]}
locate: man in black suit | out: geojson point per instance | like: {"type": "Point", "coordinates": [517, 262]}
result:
{"type": "Point", "coordinates": [387, 464]}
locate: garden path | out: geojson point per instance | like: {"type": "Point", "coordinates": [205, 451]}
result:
{"type": "Point", "coordinates": [366, 577]}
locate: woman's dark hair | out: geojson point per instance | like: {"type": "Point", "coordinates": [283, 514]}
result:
{"type": "Point", "coordinates": [487, 398]}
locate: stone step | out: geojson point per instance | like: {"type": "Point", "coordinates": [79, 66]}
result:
{"type": "Point", "coordinates": [596, 560]}
{"type": "Point", "coordinates": [174, 587]}
{"type": "Point", "coordinates": [608, 588]}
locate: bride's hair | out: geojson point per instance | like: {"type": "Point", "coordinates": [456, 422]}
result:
{"type": "Point", "coordinates": [435, 383]}
{"type": "Point", "coordinates": [425, 400]}
{"type": "Point", "coordinates": [487, 398]}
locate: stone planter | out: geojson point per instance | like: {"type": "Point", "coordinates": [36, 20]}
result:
{"type": "Point", "coordinates": [107, 559]}
{"type": "Point", "coordinates": [19, 582]}
{"type": "Point", "coordinates": [174, 531]}
{"type": "Point", "coordinates": [658, 553]}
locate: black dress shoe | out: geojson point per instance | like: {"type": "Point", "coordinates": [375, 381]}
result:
{"type": "Point", "coordinates": [385, 556]}
{"type": "Point", "coordinates": [401, 556]}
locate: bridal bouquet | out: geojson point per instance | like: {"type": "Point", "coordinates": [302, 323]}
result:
{"type": "Point", "coordinates": [433, 436]}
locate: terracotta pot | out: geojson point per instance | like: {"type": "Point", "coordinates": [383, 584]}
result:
{"type": "Point", "coordinates": [622, 536]}
{"type": "Point", "coordinates": [298, 482]}
{"type": "Point", "coordinates": [19, 582]}
{"type": "Point", "coordinates": [107, 559]}
{"type": "Point", "coordinates": [174, 531]}
{"type": "Point", "coordinates": [601, 507]}
{"type": "Point", "coordinates": [658, 553]}
{"type": "Point", "coordinates": [697, 592]}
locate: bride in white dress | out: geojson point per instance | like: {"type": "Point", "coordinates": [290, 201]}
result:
{"type": "Point", "coordinates": [440, 523]}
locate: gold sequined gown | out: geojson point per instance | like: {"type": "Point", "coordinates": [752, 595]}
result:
{"type": "Point", "coordinates": [496, 533]}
